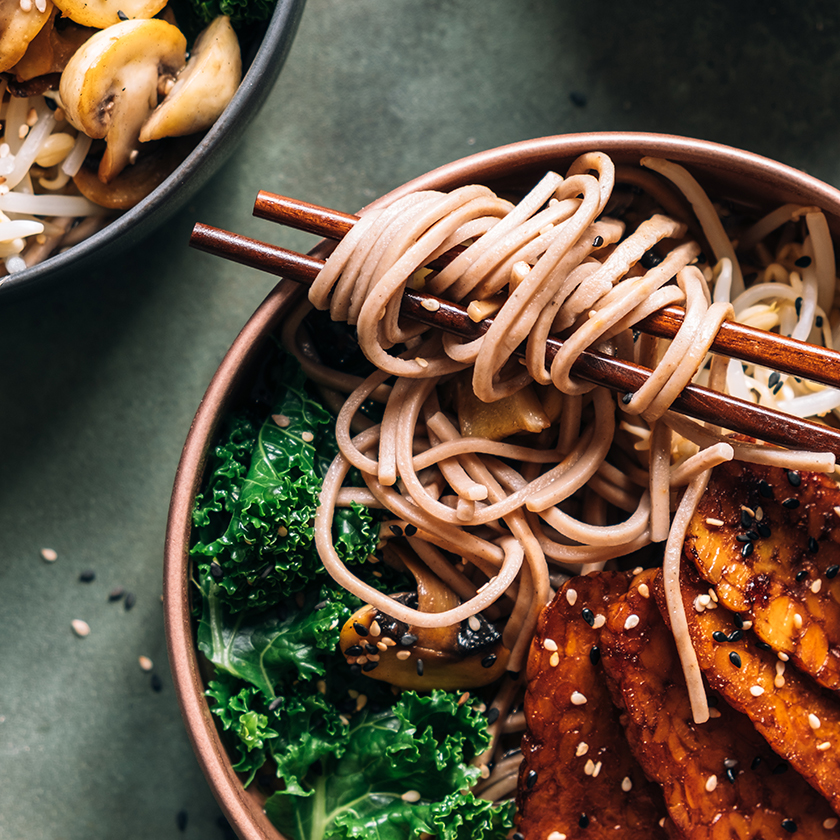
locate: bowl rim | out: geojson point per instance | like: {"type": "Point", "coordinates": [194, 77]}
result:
{"type": "Point", "coordinates": [147, 214]}
{"type": "Point", "coordinates": [515, 157]}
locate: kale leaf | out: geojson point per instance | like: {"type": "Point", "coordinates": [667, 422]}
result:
{"type": "Point", "coordinates": [254, 519]}
{"type": "Point", "coordinates": [402, 773]}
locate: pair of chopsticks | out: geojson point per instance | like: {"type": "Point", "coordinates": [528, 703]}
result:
{"type": "Point", "coordinates": [786, 355]}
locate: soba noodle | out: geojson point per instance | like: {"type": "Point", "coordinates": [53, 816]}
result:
{"type": "Point", "coordinates": [496, 519]}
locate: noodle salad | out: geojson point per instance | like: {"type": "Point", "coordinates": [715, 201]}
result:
{"type": "Point", "coordinates": [448, 488]}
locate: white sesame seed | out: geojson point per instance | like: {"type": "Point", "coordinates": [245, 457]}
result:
{"type": "Point", "coordinates": [698, 607]}
{"type": "Point", "coordinates": [779, 681]}
{"type": "Point", "coordinates": [825, 745]}
{"type": "Point", "coordinates": [589, 767]}
{"type": "Point", "coordinates": [582, 749]}
{"type": "Point", "coordinates": [550, 644]}
{"type": "Point", "coordinates": [474, 624]}
{"type": "Point", "coordinates": [23, 131]}
{"type": "Point", "coordinates": [554, 660]}
{"type": "Point", "coordinates": [748, 510]}
{"type": "Point", "coordinates": [381, 646]}
{"type": "Point", "coordinates": [375, 629]}
{"type": "Point", "coordinates": [816, 586]}
{"type": "Point", "coordinates": [403, 654]}
{"type": "Point", "coordinates": [321, 685]}
{"type": "Point", "coordinates": [830, 823]}
{"type": "Point", "coordinates": [711, 783]}
{"type": "Point", "coordinates": [361, 660]}
{"type": "Point", "coordinates": [596, 771]}
{"type": "Point", "coordinates": [49, 554]}
{"type": "Point", "coordinates": [756, 690]}
{"type": "Point", "coordinates": [421, 362]}
{"type": "Point", "coordinates": [430, 305]}
{"type": "Point", "coordinates": [626, 784]}
{"type": "Point", "coordinates": [797, 621]}
{"type": "Point", "coordinates": [145, 663]}
{"type": "Point", "coordinates": [714, 523]}
{"type": "Point", "coordinates": [556, 835]}
{"type": "Point", "coordinates": [837, 509]}
{"type": "Point", "coordinates": [571, 596]}
{"type": "Point", "coordinates": [644, 590]}
{"type": "Point", "coordinates": [485, 771]}
{"type": "Point", "coordinates": [344, 719]}
{"type": "Point", "coordinates": [813, 721]}
{"type": "Point", "coordinates": [307, 437]}
{"type": "Point", "coordinates": [780, 667]}
{"type": "Point", "coordinates": [637, 571]}
{"type": "Point", "coordinates": [281, 420]}
{"type": "Point", "coordinates": [577, 698]}
{"type": "Point", "coordinates": [783, 656]}
{"type": "Point", "coordinates": [662, 822]}
{"type": "Point", "coordinates": [600, 621]}
{"type": "Point", "coordinates": [713, 595]}
{"type": "Point", "coordinates": [632, 621]}
{"type": "Point", "coordinates": [80, 628]}
{"type": "Point", "coordinates": [747, 625]}
{"type": "Point", "coordinates": [411, 796]}
{"type": "Point", "coordinates": [759, 514]}
{"type": "Point", "coordinates": [713, 712]}
{"type": "Point", "coordinates": [705, 600]}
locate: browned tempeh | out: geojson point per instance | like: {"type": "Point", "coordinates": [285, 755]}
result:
{"type": "Point", "coordinates": [718, 777]}
{"type": "Point", "coordinates": [575, 756]}
{"type": "Point", "coordinates": [785, 563]}
{"type": "Point", "coordinates": [798, 718]}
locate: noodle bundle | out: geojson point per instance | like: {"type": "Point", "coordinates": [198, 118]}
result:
{"type": "Point", "coordinates": [582, 476]}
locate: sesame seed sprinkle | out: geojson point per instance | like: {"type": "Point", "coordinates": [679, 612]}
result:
{"type": "Point", "coordinates": [550, 644]}
{"type": "Point", "coordinates": [146, 664]}
{"type": "Point", "coordinates": [571, 597]}
{"type": "Point", "coordinates": [600, 621]}
{"type": "Point", "coordinates": [714, 713]}
{"type": "Point", "coordinates": [556, 835]}
{"type": "Point", "coordinates": [816, 586]}
{"type": "Point", "coordinates": [632, 621]}
{"type": "Point", "coordinates": [80, 628]}
{"type": "Point", "coordinates": [589, 767]}
{"type": "Point", "coordinates": [281, 420]}
{"type": "Point", "coordinates": [403, 654]}
{"type": "Point", "coordinates": [783, 656]}
{"type": "Point", "coordinates": [626, 784]}
{"type": "Point", "coordinates": [644, 590]}
{"type": "Point", "coordinates": [756, 690]}
{"type": "Point", "coordinates": [554, 660]}
{"type": "Point", "coordinates": [637, 571]}
{"type": "Point", "coordinates": [411, 796]}
{"type": "Point", "coordinates": [714, 523]}
{"type": "Point", "coordinates": [430, 305]}
{"type": "Point", "coordinates": [830, 823]}
{"type": "Point", "coordinates": [825, 745]}
{"type": "Point", "coordinates": [582, 749]}
{"type": "Point", "coordinates": [596, 771]}
{"type": "Point", "coordinates": [474, 623]}
{"type": "Point", "coordinates": [813, 721]}
{"type": "Point", "coordinates": [789, 826]}
{"type": "Point", "coordinates": [577, 698]}
{"type": "Point", "coordinates": [50, 555]}
{"type": "Point", "coordinates": [711, 783]}
{"type": "Point", "coordinates": [797, 621]}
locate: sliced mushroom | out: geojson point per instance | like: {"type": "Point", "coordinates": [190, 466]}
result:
{"type": "Point", "coordinates": [203, 88]}
{"type": "Point", "coordinates": [51, 49]}
{"type": "Point", "coordinates": [468, 655]}
{"type": "Point", "coordinates": [20, 22]}
{"type": "Point", "coordinates": [110, 86]}
{"type": "Point", "coordinates": [103, 13]}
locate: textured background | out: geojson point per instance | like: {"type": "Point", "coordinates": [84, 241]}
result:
{"type": "Point", "coordinates": [99, 379]}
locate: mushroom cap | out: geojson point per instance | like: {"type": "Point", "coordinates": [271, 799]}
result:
{"type": "Point", "coordinates": [203, 88]}
{"type": "Point", "coordinates": [103, 13]}
{"type": "Point", "coordinates": [17, 29]}
{"type": "Point", "coordinates": [110, 85]}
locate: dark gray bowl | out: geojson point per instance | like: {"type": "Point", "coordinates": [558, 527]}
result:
{"type": "Point", "coordinates": [264, 62]}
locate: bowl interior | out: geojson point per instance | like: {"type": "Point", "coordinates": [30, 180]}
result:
{"type": "Point", "coordinates": [726, 172]}
{"type": "Point", "coordinates": [263, 61]}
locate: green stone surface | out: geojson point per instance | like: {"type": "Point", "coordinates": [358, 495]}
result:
{"type": "Point", "coordinates": [100, 378]}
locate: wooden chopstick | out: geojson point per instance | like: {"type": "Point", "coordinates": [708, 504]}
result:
{"type": "Point", "coordinates": [625, 377]}
{"type": "Point", "coordinates": [787, 355]}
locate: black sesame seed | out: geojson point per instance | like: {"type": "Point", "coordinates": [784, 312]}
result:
{"type": "Point", "coordinates": [773, 379]}
{"type": "Point", "coordinates": [763, 646]}
{"type": "Point", "coordinates": [813, 545]}
{"type": "Point", "coordinates": [87, 576]}
{"type": "Point", "coordinates": [791, 504]}
{"type": "Point", "coordinates": [360, 629]}
{"type": "Point", "coordinates": [831, 572]}
{"type": "Point", "coordinates": [353, 650]}
{"type": "Point", "coordinates": [636, 334]}
{"type": "Point", "coordinates": [410, 530]}
{"type": "Point", "coordinates": [736, 636]}
{"type": "Point", "coordinates": [419, 667]}
{"type": "Point", "coordinates": [755, 762]}
{"type": "Point", "coordinates": [735, 658]}
{"type": "Point", "coordinates": [801, 575]}
{"type": "Point", "coordinates": [730, 774]}
{"type": "Point", "coordinates": [513, 675]}
{"type": "Point", "coordinates": [627, 397]}
{"type": "Point", "coordinates": [803, 262]}
{"type": "Point", "coordinates": [780, 768]}
{"type": "Point", "coordinates": [747, 549]}
{"type": "Point", "coordinates": [275, 704]}
{"type": "Point", "coordinates": [489, 661]}
{"type": "Point", "coordinates": [746, 519]}
{"type": "Point", "coordinates": [701, 258]}
{"type": "Point", "coordinates": [777, 388]}
{"type": "Point", "coordinates": [594, 654]}
{"type": "Point", "coordinates": [583, 822]}
{"type": "Point", "coordinates": [130, 600]}
{"type": "Point", "coordinates": [598, 241]}
{"type": "Point", "coordinates": [216, 570]}
{"type": "Point", "coordinates": [123, 16]}
{"type": "Point", "coordinates": [798, 305]}
{"type": "Point", "coordinates": [355, 670]}
{"type": "Point", "coordinates": [818, 321]}
{"type": "Point", "coordinates": [518, 836]}
{"type": "Point", "coordinates": [531, 779]}
{"type": "Point", "coordinates": [650, 259]}
{"type": "Point", "coordinates": [157, 684]}
{"type": "Point", "coordinates": [753, 535]}
{"type": "Point", "coordinates": [396, 530]}
{"type": "Point", "coordinates": [794, 477]}
{"type": "Point", "coordinates": [116, 593]}
{"type": "Point", "coordinates": [764, 530]}
{"type": "Point", "coordinates": [738, 621]}
{"type": "Point", "coordinates": [578, 99]}
{"type": "Point", "coordinates": [588, 616]}
{"type": "Point", "coordinates": [743, 538]}
{"type": "Point", "coordinates": [51, 103]}
{"type": "Point", "coordinates": [765, 489]}
{"type": "Point", "coordinates": [492, 715]}
{"type": "Point", "coordinates": [789, 825]}
{"type": "Point", "coordinates": [408, 640]}
{"type": "Point", "coordinates": [371, 649]}
{"type": "Point", "coordinates": [181, 816]}
{"type": "Point", "coordinates": [370, 666]}
{"type": "Point", "coordinates": [720, 636]}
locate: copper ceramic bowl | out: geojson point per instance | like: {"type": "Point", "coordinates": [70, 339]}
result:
{"type": "Point", "coordinates": [262, 60]}
{"type": "Point", "coordinates": [725, 171]}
